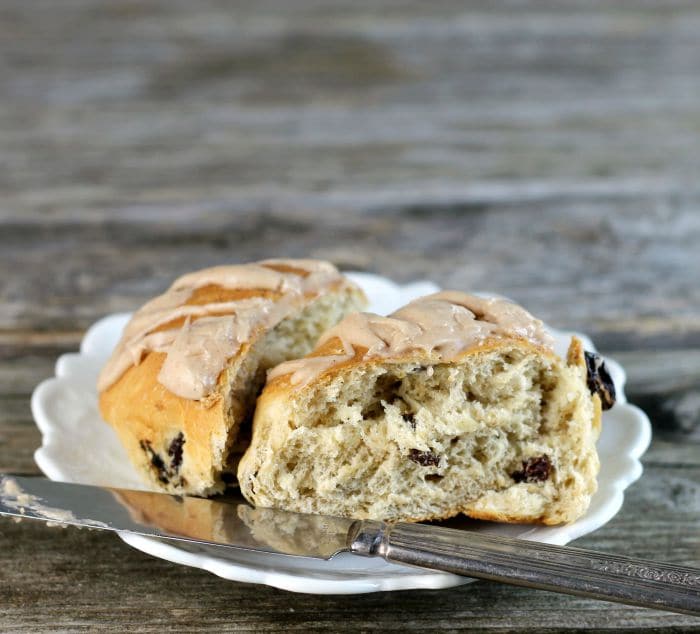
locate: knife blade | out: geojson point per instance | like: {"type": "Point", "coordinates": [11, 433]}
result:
{"type": "Point", "coordinates": [228, 522]}
{"type": "Point", "coordinates": [232, 523]}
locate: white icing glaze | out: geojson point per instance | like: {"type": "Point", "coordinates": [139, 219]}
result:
{"type": "Point", "coordinates": [444, 324]}
{"type": "Point", "coordinates": [212, 333]}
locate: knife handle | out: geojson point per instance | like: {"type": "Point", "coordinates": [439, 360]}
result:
{"type": "Point", "coordinates": [532, 564]}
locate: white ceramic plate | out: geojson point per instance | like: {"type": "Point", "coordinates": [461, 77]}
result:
{"type": "Point", "coordinates": [77, 446]}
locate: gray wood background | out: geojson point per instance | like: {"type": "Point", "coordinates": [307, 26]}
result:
{"type": "Point", "coordinates": [545, 150]}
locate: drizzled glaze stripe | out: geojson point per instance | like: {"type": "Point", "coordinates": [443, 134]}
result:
{"type": "Point", "coordinates": [445, 324]}
{"type": "Point", "coordinates": [197, 350]}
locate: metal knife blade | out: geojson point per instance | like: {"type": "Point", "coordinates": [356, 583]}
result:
{"type": "Point", "coordinates": [229, 522]}
{"type": "Point", "coordinates": [235, 524]}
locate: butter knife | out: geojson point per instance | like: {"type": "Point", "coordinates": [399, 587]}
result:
{"type": "Point", "coordinates": [228, 523]}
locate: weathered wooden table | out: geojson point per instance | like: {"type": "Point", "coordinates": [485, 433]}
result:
{"type": "Point", "coordinates": [547, 151]}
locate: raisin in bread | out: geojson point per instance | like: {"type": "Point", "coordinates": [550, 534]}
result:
{"type": "Point", "coordinates": [180, 387]}
{"type": "Point", "coordinates": [452, 404]}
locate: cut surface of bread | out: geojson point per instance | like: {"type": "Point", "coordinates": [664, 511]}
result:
{"type": "Point", "coordinates": [181, 386]}
{"type": "Point", "coordinates": [499, 429]}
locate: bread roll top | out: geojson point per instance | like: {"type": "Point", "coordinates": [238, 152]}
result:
{"type": "Point", "coordinates": [205, 317]}
{"type": "Point", "coordinates": [440, 327]}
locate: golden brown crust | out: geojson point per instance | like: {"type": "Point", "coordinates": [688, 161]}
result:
{"type": "Point", "coordinates": [575, 357]}
{"type": "Point", "coordinates": [149, 418]}
{"type": "Point", "coordinates": [441, 325]}
{"type": "Point", "coordinates": [501, 517]}
{"type": "Point", "coordinates": [283, 383]}
{"type": "Point", "coordinates": [212, 293]}
{"type": "Point", "coordinates": [141, 411]}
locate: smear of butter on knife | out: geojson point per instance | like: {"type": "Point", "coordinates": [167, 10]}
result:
{"type": "Point", "coordinates": [14, 497]}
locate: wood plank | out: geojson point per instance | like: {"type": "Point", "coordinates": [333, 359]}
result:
{"type": "Point", "coordinates": [543, 144]}
{"type": "Point", "coordinates": [620, 276]}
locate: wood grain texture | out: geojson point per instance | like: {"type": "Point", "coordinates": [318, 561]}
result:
{"type": "Point", "coordinates": [543, 150]}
